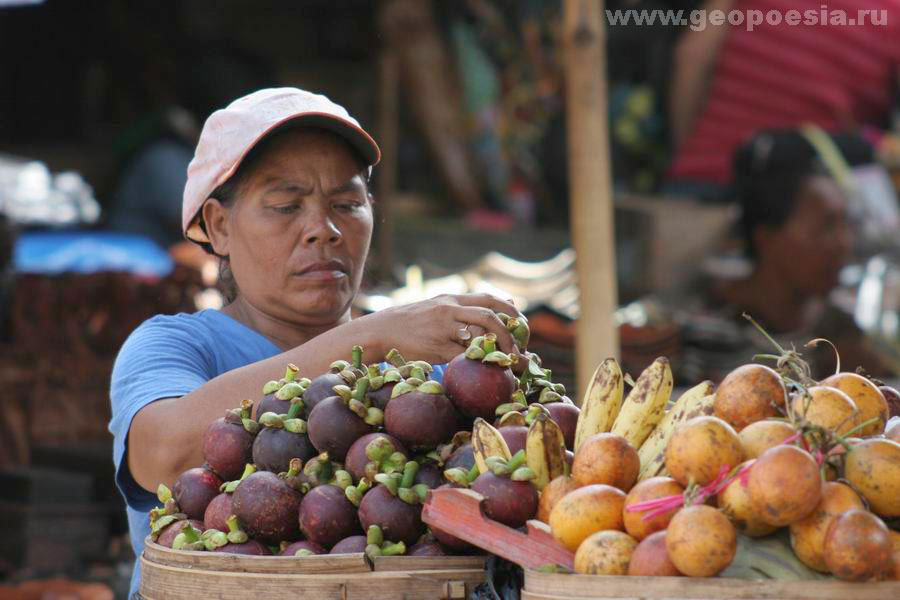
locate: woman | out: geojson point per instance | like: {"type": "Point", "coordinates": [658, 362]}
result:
{"type": "Point", "coordinates": [797, 233]}
{"type": "Point", "coordinates": [278, 190]}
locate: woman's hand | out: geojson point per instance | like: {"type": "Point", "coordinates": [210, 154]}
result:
{"type": "Point", "coordinates": [438, 329]}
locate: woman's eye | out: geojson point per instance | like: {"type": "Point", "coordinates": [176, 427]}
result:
{"type": "Point", "coordinates": [348, 206]}
{"type": "Point", "coordinates": [285, 209]}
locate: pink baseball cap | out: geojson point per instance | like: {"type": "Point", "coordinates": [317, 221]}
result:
{"type": "Point", "coordinates": [230, 133]}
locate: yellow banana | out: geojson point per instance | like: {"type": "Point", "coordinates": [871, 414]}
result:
{"type": "Point", "coordinates": [601, 403]}
{"type": "Point", "coordinates": [545, 450]}
{"type": "Point", "coordinates": [696, 401]}
{"type": "Point", "coordinates": [486, 442]}
{"type": "Point", "coordinates": [646, 403]}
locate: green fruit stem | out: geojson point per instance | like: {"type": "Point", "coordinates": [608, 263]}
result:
{"type": "Point", "coordinates": [516, 461]}
{"type": "Point", "coordinates": [362, 386]}
{"type": "Point", "coordinates": [374, 535]}
{"type": "Point", "coordinates": [295, 425]}
{"type": "Point", "coordinates": [374, 416]}
{"type": "Point", "coordinates": [191, 533]}
{"type": "Point", "coordinates": [236, 535]}
{"type": "Point", "coordinates": [291, 372]}
{"type": "Point", "coordinates": [163, 493]}
{"type": "Point", "coordinates": [271, 420]}
{"type": "Point", "coordinates": [296, 407]}
{"type": "Point", "coordinates": [393, 549]}
{"type": "Point", "coordinates": [250, 426]}
{"type": "Point", "coordinates": [357, 357]}
{"type": "Point", "coordinates": [295, 467]}
{"type": "Point", "coordinates": [289, 391]}
{"type": "Point", "coordinates": [271, 387]}
{"type": "Point", "coordinates": [391, 482]}
{"type": "Point", "coordinates": [409, 474]}
{"type": "Point", "coordinates": [522, 474]}
{"type": "Point", "coordinates": [246, 408]}
{"type": "Point", "coordinates": [490, 343]}
{"type": "Point", "coordinates": [457, 476]}
{"type": "Point", "coordinates": [213, 538]}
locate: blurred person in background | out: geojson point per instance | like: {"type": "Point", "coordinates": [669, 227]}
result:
{"type": "Point", "coordinates": [797, 235]}
{"type": "Point", "coordinates": [729, 82]}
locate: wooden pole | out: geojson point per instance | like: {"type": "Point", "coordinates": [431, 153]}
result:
{"type": "Point", "coordinates": [591, 206]}
{"type": "Point", "coordinates": [388, 87]}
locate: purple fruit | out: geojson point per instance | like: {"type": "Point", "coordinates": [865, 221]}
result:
{"type": "Point", "coordinates": [514, 436]}
{"type": "Point", "coordinates": [400, 521]}
{"type": "Point", "coordinates": [431, 475]}
{"type": "Point", "coordinates": [421, 419]}
{"type": "Point", "coordinates": [478, 388]}
{"type": "Point", "coordinates": [217, 512]}
{"type": "Point", "coordinates": [333, 427]}
{"type": "Point", "coordinates": [462, 458]}
{"type": "Point", "coordinates": [227, 442]}
{"type": "Point", "coordinates": [168, 533]}
{"type": "Point", "coordinates": [356, 460]}
{"type": "Point", "coordinates": [450, 541]}
{"type": "Point", "coordinates": [510, 502]}
{"type": "Point", "coordinates": [194, 490]}
{"type": "Point", "coordinates": [275, 447]}
{"type": "Point", "coordinates": [250, 547]}
{"type": "Point", "coordinates": [350, 545]}
{"type": "Point", "coordinates": [322, 387]}
{"type": "Point", "coordinates": [327, 516]}
{"type": "Point", "coordinates": [426, 548]}
{"type": "Point", "coordinates": [267, 506]}
{"type": "Point", "coordinates": [269, 403]}
{"type": "Point", "coordinates": [310, 547]}
{"type": "Point", "coordinates": [566, 416]}
{"type": "Point", "coordinates": [380, 397]}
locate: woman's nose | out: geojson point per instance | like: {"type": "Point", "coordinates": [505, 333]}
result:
{"type": "Point", "coordinates": [321, 230]}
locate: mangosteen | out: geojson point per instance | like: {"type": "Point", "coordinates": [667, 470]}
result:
{"type": "Point", "coordinates": [340, 373]}
{"type": "Point", "coordinates": [462, 458]}
{"type": "Point", "coordinates": [228, 440]}
{"type": "Point", "coordinates": [194, 490]}
{"type": "Point", "coordinates": [381, 383]}
{"type": "Point", "coordinates": [419, 414]}
{"type": "Point", "coordinates": [239, 542]}
{"type": "Point", "coordinates": [375, 453]}
{"type": "Point", "coordinates": [426, 548]}
{"type": "Point", "coordinates": [336, 422]}
{"type": "Point", "coordinates": [566, 416]}
{"type": "Point", "coordinates": [514, 435]}
{"type": "Point", "coordinates": [267, 506]}
{"type": "Point", "coordinates": [446, 539]}
{"type": "Point", "coordinates": [188, 537]}
{"type": "Point", "coordinates": [168, 533]}
{"type": "Point", "coordinates": [377, 546]}
{"type": "Point", "coordinates": [350, 545]}
{"type": "Point", "coordinates": [321, 470]}
{"type": "Point", "coordinates": [509, 496]}
{"type": "Point", "coordinates": [430, 475]}
{"type": "Point", "coordinates": [479, 380]}
{"type": "Point", "coordinates": [281, 439]}
{"type": "Point", "coordinates": [219, 509]}
{"type": "Point", "coordinates": [395, 505]}
{"type": "Point", "coordinates": [327, 516]}
{"type": "Point", "coordinates": [277, 395]}
{"type": "Point", "coordinates": [301, 548]}
{"type": "Point", "coordinates": [518, 327]}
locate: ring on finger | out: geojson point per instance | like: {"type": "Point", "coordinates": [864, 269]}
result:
{"type": "Point", "coordinates": [464, 334]}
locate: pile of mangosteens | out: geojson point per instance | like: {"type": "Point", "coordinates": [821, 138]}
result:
{"type": "Point", "coordinates": [343, 462]}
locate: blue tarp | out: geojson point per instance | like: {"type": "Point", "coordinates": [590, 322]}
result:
{"type": "Point", "coordinates": [56, 252]}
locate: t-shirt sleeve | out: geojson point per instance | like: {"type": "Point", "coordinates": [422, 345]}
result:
{"type": "Point", "coordinates": [163, 358]}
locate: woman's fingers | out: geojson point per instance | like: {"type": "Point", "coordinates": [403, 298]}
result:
{"type": "Point", "coordinates": [489, 322]}
{"type": "Point", "coordinates": [487, 301]}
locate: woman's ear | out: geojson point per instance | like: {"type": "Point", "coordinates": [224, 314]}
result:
{"type": "Point", "coordinates": [215, 216]}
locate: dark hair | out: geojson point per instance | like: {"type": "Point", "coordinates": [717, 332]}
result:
{"type": "Point", "coordinates": [227, 194]}
{"type": "Point", "coordinates": [770, 171]}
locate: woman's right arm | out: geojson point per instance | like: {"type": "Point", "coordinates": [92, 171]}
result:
{"type": "Point", "coordinates": [165, 437]}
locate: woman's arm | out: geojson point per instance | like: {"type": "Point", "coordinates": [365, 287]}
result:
{"type": "Point", "coordinates": [692, 68]}
{"type": "Point", "coordinates": [166, 436]}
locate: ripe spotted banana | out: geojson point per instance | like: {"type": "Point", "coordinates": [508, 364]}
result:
{"type": "Point", "coordinates": [545, 450]}
{"type": "Point", "coordinates": [486, 442]}
{"type": "Point", "coordinates": [601, 403]}
{"type": "Point", "coordinates": [646, 403]}
{"type": "Point", "coordinates": [694, 402]}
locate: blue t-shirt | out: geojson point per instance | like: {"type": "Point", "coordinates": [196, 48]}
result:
{"type": "Point", "coordinates": [169, 357]}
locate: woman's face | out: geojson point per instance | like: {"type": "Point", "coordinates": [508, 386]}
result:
{"type": "Point", "coordinates": [298, 234]}
{"type": "Point", "coordinates": [810, 248]}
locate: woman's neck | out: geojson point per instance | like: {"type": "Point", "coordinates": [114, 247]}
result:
{"type": "Point", "coordinates": [768, 298]}
{"type": "Point", "coordinates": [284, 334]}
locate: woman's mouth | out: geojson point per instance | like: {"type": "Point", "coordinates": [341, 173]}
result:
{"type": "Point", "coordinates": [330, 270]}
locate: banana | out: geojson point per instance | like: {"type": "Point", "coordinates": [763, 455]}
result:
{"type": "Point", "coordinates": [545, 450]}
{"type": "Point", "coordinates": [646, 403]}
{"type": "Point", "coordinates": [694, 402]}
{"type": "Point", "coordinates": [486, 442]}
{"type": "Point", "coordinates": [601, 403]}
